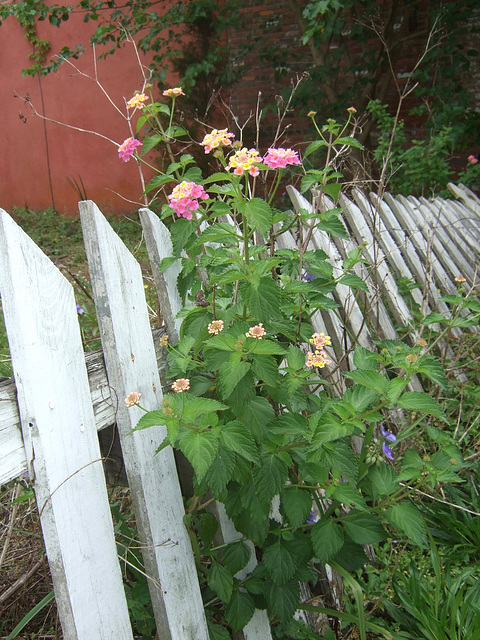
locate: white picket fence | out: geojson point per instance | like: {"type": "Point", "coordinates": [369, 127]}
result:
{"type": "Point", "coordinates": [60, 398]}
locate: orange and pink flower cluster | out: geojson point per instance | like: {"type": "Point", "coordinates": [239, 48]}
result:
{"type": "Point", "coordinates": [184, 198]}
{"type": "Point", "coordinates": [319, 358]}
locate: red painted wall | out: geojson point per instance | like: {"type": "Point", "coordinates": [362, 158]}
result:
{"type": "Point", "coordinates": [39, 157]}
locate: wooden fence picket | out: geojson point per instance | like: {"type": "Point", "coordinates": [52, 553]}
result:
{"type": "Point", "coordinates": [131, 366]}
{"type": "Point", "coordinates": [60, 440]}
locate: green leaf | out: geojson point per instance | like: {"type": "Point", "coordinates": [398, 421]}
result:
{"type": "Point", "coordinates": [218, 232]}
{"type": "Point", "coordinates": [372, 379]}
{"type": "Point", "coordinates": [395, 389]}
{"type": "Point", "coordinates": [421, 401]}
{"type": "Point", "coordinates": [216, 632]}
{"type": "Point", "coordinates": [354, 281]}
{"type": "Point", "coordinates": [196, 406]}
{"type": "Point", "coordinates": [263, 301]}
{"type": "Point", "coordinates": [295, 357]}
{"type": "Point", "coordinates": [330, 428]}
{"type": "Point", "coordinates": [337, 456]}
{"type": "Point", "coordinates": [349, 495]}
{"type": "Point", "coordinates": [327, 539]}
{"type": "Point", "coordinates": [256, 415]}
{"type": "Point", "coordinates": [264, 347]}
{"type": "Point", "coordinates": [258, 214]}
{"type": "Point", "coordinates": [236, 437]}
{"type": "Point", "coordinates": [200, 447]}
{"type": "Point", "coordinates": [270, 477]}
{"type": "Point", "coordinates": [349, 141]}
{"type": "Point", "coordinates": [365, 359]}
{"type": "Point", "coordinates": [236, 556]}
{"type": "Point", "coordinates": [158, 181]}
{"type": "Point", "coordinates": [433, 370]}
{"type": "Point", "coordinates": [150, 419]}
{"type": "Point", "coordinates": [151, 141]}
{"type": "Point", "coordinates": [297, 504]}
{"type": "Point", "coordinates": [230, 375]}
{"type": "Point", "coordinates": [239, 610]}
{"type": "Point", "coordinates": [220, 581]}
{"type": "Point", "coordinates": [224, 342]}
{"type": "Point", "coordinates": [283, 600]}
{"type": "Point", "coordinates": [221, 470]}
{"type": "Point", "coordinates": [383, 480]}
{"type": "Point", "coordinates": [406, 517]}
{"type": "Point", "coordinates": [364, 528]}
{"type": "Point", "coordinates": [280, 561]}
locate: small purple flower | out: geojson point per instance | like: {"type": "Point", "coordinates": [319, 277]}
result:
{"type": "Point", "coordinates": [80, 311]}
{"type": "Point", "coordinates": [391, 438]}
{"type": "Point", "coordinates": [308, 276]}
{"type": "Point", "coordinates": [312, 518]}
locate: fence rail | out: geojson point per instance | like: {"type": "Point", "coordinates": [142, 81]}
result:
{"type": "Point", "coordinates": [60, 398]}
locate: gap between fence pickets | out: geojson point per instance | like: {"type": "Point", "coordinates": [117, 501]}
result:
{"type": "Point", "coordinates": [159, 246]}
{"type": "Point", "coordinates": [13, 462]}
{"type": "Point", "coordinates": [60, 440]}
{"type": "Point", "coordinates": [131, 366]}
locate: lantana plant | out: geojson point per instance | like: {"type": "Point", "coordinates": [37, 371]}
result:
{"type": "Point", "coordinates": [255, 404]}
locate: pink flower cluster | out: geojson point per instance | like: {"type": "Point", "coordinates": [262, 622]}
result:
{"type": "Point", "coordinates": [244, 160]}
{"type": "Point", "coordinates": [280, 158]}
{"type": "Point", "coordinates": [184, 198]}
{"type": "Point", "coordinates": [126, 149]}
{"type": "Point", "coordinates": [472, 159]}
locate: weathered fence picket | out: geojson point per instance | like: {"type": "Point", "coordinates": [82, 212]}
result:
{"type": "Point", "coordinates": [51, 412]}
{"type": "Point", "coordinates": [60, 439]}
{"type": "Point", "coordinates": [131, 365]}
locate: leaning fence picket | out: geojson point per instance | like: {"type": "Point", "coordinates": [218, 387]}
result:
{"type": "Point", "coordinates": [60, 440]}
{"type": "Point", "coordinates": [159, 246]}
{"type": "Point", "coordinates": [131, 366]}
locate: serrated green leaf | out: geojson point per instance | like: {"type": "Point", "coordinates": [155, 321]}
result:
{"type": "Point", "coordinates": [236, 556]}
{"type": "Point", "coordinates": [354, 281]}
{"type": "Point", "coordinates": [197, 406]}
{"type": "Point", "coordinates": [269, 477]}
{"type": "Point", "coordinates": [236, 437]}
{"type": "Point", "coordinates": [337, 456]}
{"type": "Point", "coordinates": [239, 610]}
{"type": "Point", "coordinates": [229, 376]}
{"type": "Point", "coordinates": [365, 359]}
{"type": "Point", "coordinates": [256, 415]}
{"type": "Point", "coordinates": [349, 495]}
{"type": "Point", "coordinates": [263, 301]}
{"type": "Point", "coordinates": [150, 419]}
{"type": "Point", "coordinates": [158, 181]}
{"type": "Point", "coordinates": [433, 370]}
{"type": "Point", "coordinates": [283, 601]}
{"type": "Point", "coordinates": [216, 632]}
{"type": "Point", "coordinates": [395, 389]}
{"type": "Point", "coordinates": [224, 342]}
{"type": "Point", "coordinates": [280, 561]}
{"type": "Point", "coordinates": [151, 141]}
{"type": "Point", "coordinates": [383, 480]}
{"type": "Point", "coordinates": [364, 528]}
{"type": "Point", "coordinates": [349, 141]}
{"type": "Point", "coordinates": [421, 401]}
{"type": "Point", "coordinates": [220, 471]}
{"type": "Point", "coordinates": [295, 357]}
{"type": "Point", "coordinates": [258, 214]}
{"type": "Point", "coordinates": [264, 347]}
{"type": "Point", "coordinates": [327, 539]}
{"type": "Point", "coordinates": [406, 517]}
{"type": "Point", "coordinates": [329, 428]}
{"type": "Point", "coordinates": [200, 448]}
{"type": "Point", "coordinates": [368, 378]}
{"type": "Point", "coordinates": [220, 581]}
{"type": "Point", "coordinates": [297, 504]}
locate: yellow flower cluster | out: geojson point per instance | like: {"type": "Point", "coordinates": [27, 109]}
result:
{"type": "Point", "coordinates": [138, 101]}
